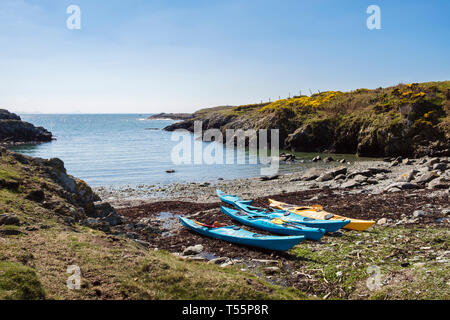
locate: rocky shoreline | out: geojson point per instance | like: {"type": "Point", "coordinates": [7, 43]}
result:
{"type": "Point", "coordinates": [365, 177]}
{"type": "Point", "coordinates": [409, 200]}
{"type": "Point", "coordinates": [409, 120]}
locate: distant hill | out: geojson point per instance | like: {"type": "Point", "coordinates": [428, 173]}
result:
{"type": "Point", "coordinates": [404, 120]}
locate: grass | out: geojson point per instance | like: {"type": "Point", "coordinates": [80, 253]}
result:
{"type": "Point", "coordinates": [407, 271]}
{"type": "Point", "coordinates": [19, 282]}
{"type": "Point", "coordinates": [121, 269]}
{"type": "Point", "coordinates": [403, 112]}
{"type": "Point", "coordinates": [33, 264]}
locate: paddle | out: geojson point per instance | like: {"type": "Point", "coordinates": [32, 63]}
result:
{"type": "Point", "coordinates": [214, 225]}
{"type": "Point", "coordinates": [287, 223]}
{"type": "Point", "coordinates": [279, 221]}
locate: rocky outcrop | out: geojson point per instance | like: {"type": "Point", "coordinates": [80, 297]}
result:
{"type": "Point", "coordinates": [6, 115]}
{"type": "Point", "coordinates": [47, 183]}
{"type": "Point", "coordinates": [407, 120]}
{"type": "Point", "coordinates": [15, 131]}
{"type": "Point", "coordinates": [172, 116]}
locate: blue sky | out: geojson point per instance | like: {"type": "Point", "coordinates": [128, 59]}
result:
{"type": "Point", "coordinates": [147, 56]}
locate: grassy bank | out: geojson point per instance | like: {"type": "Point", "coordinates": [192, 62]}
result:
{"type": "Point", "coordinates": [413, 262]}
{"type": "Point", "coordinates": [35, 254]}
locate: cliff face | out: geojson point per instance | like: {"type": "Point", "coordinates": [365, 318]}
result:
{"type": "Point", "coordinates": [405, 120]}
{"type": "Point", "coordinates": [13, 130]}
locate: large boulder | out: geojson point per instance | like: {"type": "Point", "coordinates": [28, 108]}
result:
{"type": "Point", "coordinates": [107, 213]}
{"type": "Point", "coordinates": [312, 174]}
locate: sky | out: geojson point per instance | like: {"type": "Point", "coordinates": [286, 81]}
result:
{"type": "Point", "coordinates": [148, 56]}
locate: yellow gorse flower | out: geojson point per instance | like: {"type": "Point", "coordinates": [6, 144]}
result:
{"type": "Point", "coordinates": [314, 101]}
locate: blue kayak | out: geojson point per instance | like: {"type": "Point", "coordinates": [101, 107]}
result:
{"type": "Point", "coordinates": [245, 205]}
{"type": "Point", "coordinates": [238, 235]}
{"type": "Point", "coordinates": [276, 225]}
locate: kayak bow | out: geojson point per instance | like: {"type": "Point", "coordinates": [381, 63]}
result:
{"type": "Point", "coordinates": [273, 225]}
{"type": "Point", "coordinates": [317, 212]}
{"type": "Point", "coordinates": [238, 203]}
{"type": "Point", "coordinates": [241, 236]}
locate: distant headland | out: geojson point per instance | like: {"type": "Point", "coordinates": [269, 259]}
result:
{"type": "Point", "coordinates": [171, 116]}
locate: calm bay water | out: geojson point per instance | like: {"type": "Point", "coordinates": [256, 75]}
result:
{"type": "Point", "coordinates": [126, 149]}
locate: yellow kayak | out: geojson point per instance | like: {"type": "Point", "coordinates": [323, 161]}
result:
{"type": "Point", "coordinates": [317, 212]}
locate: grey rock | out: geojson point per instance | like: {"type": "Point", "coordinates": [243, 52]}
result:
{"type": "Point", "coordinates": [227, 264]}
{"type": "Point", "coordinates": [440, 166]}
{"type": "Point", "coordinates": [360, 178]}
{"type": "Point", "coordinates": [312, 174]}
{"type": "Point", "coordinates": [419, 213]}
{"type": "Point", "coordinates": [326, 176]}
{"type": "Point", "coordinates": [69, 220]}
{"type": "Point", "coordinates": [350, 184]}
{"type": "Point", "coordinates": [374, 171]}
{"type": "Point", "coordinates": [91, 222]}
{"type": "Point", "coordinates": [131, 235]}
{"type": "Point", "coordinates": [145, 244]}
{"type": "Point", "coordinates": [271, 270]}
{"type": "Point", "coordinates": [96, 223]}
{"type": "Point", "coordinates": [113, 219]}
{"type": "Point", "coordinates": [407, 161]}
{"type": "Point", "coordinates": [268, 178]}
{"type": "Point", "coordinates": [403, 186]}
{"type": "Point", "coordinates": [266, 262]}
{"type": "Point", "coordinates": [340, 177]}
{"type": "Point", "coordinates": [427, 177]}
{"type": "Point", "coordinates": [366, 173]}
{"type": "Point", "coordinates": [328, 159]}
{"type": "Point", "coordinates": [439, 183]}
{"type": "Point", "coordinates": [408, 176]}
{"type": "Point", "coordinates": [9, 219]}
{"type": "Point", "coordinates": [382, 221]}
{"type": "Point", "coordinates": [287, 157]}
{"type": "Point", "coordinates": [193, 250]}
{"type": "Point", "coordinates": [317, 158]}
{"type": "Point", "coordinates": [432, 161]}
{"type": "Point", "coordinates": [219, 260]}
{"type": "Point", "coordinates": [338, 171]}
{"type": "Point", "coordinates": [394, 164]}
{"type": "Point", "coordinates": [107, 213]}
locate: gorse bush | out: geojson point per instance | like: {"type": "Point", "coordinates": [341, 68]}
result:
{"type": "Point", "coordinates": [313, 101]}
